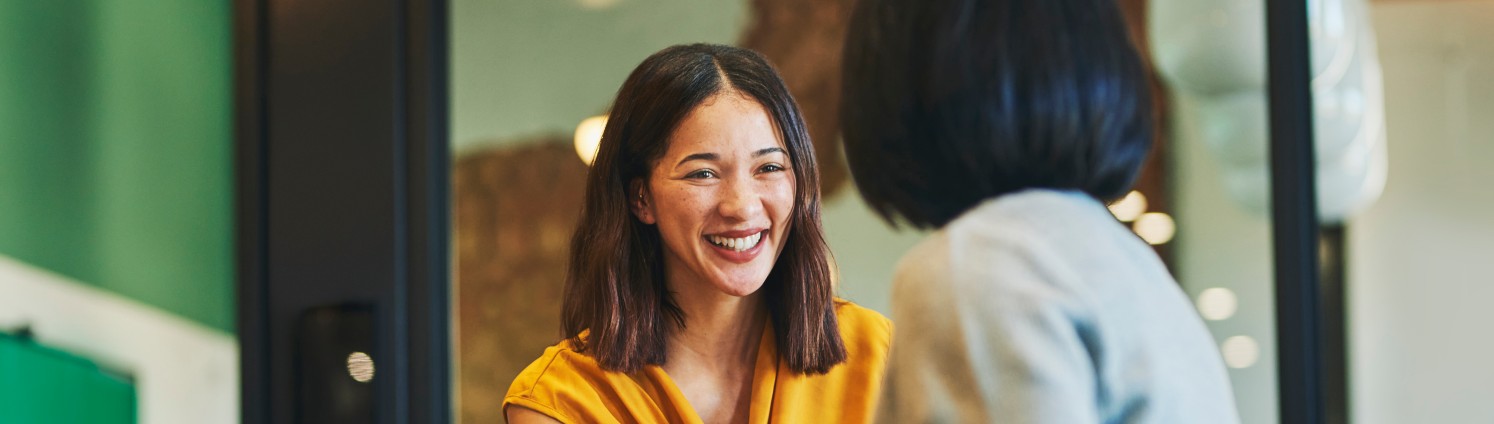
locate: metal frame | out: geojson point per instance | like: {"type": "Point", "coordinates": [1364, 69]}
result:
{"type": "Point", "coordinates": [1299, 339]}
{"type": "Point", "coordinates": [342, 175]}
{"type": "Point", "coordinates": [1333, 255]}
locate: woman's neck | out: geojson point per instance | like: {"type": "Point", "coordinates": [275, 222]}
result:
{"type": "Point", "coordinates": [720, 329]}
{"type": "Point", "coordinates": [712, 358]}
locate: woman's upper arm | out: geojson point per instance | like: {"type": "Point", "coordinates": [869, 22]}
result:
{"type": "Point", "coordinates": [520, 415]}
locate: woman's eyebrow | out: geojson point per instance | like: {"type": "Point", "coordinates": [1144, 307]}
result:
{"type": "Point", "coordinates": [769, 150]}
{"type": "Point", "coordinates": [699, 156]}
{"type": "Point", "coordinates": [715, 157]}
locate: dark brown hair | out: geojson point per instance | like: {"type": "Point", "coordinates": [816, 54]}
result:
{"type": "Point", "coordinates": [946, 103]}
{"type": "Point", "coordinates": [615, 285]}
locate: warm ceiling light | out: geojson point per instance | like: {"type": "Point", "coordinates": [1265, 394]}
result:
{"type": "Point", "coordinates": [589, 136]}
{"type": "Point", "coordinates": [1155, 227]}
{"type": "Point", "coordinates": [1128, 208]}
{"type": "Point", "coordinates": [598, 4]}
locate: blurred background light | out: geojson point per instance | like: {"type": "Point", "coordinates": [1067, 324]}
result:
{"type": "Point", "coordinates": [589, 136]}
{"type": "Point", "coordinates": [360, 367]}
{"type": "Point", "coordinates": [1128, 208]}
{"type": "Point", "coordinates": [1240, 351]}
{"type": "Point", "coordinates": [1155, 227]}
{"type": "Point", "coordinates": [597, 4]}
{"type": "Point", "coordinates": [1217, 303]}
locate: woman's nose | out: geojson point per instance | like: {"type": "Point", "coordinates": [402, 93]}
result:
{"type": "Point", "coordinates": [741, 201]}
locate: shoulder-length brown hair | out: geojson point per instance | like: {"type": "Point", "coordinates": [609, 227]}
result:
{"type": "Point", "coordinates": [615, 285]}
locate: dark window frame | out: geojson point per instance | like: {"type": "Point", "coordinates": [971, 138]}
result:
{"type": "Point", "coordinates": [1302, 371]}
{"type": "Point", "coordinates": [342, 167]}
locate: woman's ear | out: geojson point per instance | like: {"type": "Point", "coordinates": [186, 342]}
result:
{"type": "Point", "coordinates": [640, 203]}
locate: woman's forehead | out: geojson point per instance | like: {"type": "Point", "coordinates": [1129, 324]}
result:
{"type": "Point", "coordinates": [726, 124]}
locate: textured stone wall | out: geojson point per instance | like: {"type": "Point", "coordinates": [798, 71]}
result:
{"type": "Point", "coordinates": [515, 210]}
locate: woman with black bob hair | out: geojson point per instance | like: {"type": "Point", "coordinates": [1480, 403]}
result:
{"type": "Point", "coordinates": [699, 286]}
{"type": "Point", "coordinates": [1004, 124]}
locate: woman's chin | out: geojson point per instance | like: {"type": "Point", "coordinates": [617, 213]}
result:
{"type": "Point", "coordinates": [739, 280]}
{"type": "Point", "coordinates": [740, 288]}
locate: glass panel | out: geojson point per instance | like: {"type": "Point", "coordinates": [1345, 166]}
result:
{"type": "Point", "coordinates": [1210, 56]}
{"type": "Point", "coordinates": [1418, 255]}
{"type": "Point", "coordinates": [116, 222]}
{"type": "Point", "coordinates": [525, 77]}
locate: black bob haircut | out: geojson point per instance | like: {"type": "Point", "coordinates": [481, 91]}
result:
{"type": "Point", "coordinates": [947, 103]}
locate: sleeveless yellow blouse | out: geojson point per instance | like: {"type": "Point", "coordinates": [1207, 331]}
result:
{"type": "Point", "coordinates": [570, 387]}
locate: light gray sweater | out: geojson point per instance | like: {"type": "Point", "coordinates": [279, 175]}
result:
{"type": "Point", "coordinates": [1039, 307]}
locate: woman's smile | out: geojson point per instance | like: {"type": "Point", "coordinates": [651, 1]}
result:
{"type": "Point", "coordinates": [740, 246]}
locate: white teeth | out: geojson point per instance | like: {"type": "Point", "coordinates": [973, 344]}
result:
{"type": "Point", "coordinates": [737, 244]}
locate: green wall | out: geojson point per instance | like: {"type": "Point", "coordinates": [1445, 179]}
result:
{"type": "Point", "coordinates": [44, 385]}
{"type": "Point", "coordinates": [116, 148]}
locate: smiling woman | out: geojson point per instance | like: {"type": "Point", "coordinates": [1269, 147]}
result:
{"type": "Point", "coordinates": [728, 187]}
{"type": "Point", "coordinates": [699, 285]}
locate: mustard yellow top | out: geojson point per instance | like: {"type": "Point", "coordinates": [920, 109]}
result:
{"type": "Point", "coordinates": [570, 387]}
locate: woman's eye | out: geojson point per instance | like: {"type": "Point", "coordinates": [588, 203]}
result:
{"type": "Point", "coordinates": [772, 167]}
{"type": "Point", "coordinates": [702, 174]}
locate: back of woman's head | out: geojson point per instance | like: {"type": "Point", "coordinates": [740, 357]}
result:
{"type": "Point", "coordinates": [947, 103]}
{"type": "Point", "coordinates": [615, 286]}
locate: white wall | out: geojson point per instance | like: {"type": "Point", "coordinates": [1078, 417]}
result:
{"type": "Point", "coordinates": [184, 372]}
{"type": "Point", "coordinates": [1422, 258]}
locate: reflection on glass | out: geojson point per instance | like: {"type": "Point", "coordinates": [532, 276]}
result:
{"type": "Point", "coordinates": [360, 367]}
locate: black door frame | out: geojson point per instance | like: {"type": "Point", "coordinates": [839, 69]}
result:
{"type": "Point", "coordinates": [343, 163]}
{"type": "Point", "coordinates": [1300, 318]}
{"type": "Point", "coordinates": [342, 177]}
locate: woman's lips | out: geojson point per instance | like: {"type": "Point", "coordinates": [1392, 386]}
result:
{"type": "Point", "coordinates": [740, 246]}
